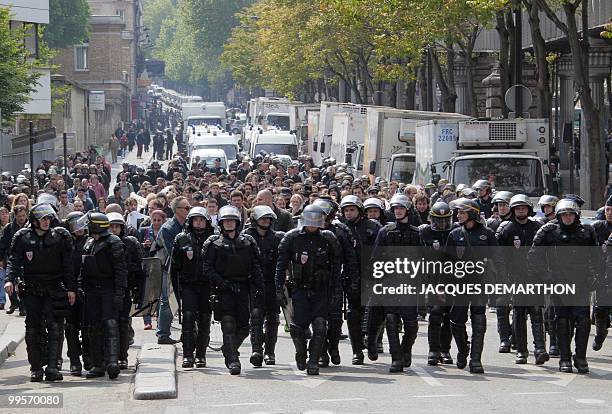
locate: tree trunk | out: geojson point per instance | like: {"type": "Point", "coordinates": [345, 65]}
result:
{"type": "Point", "coordinates": [422, 81]}
{"type": "Point", "coordinates": [539, 47]}
{"type": "Point", "coordinates": [449, 96]}
{"type": "Point", "coordinates": [504, 55]}
{"type": "Point", "coordinates": [593, 163]}
{"type": "Point", "coordinates": [410, 94]}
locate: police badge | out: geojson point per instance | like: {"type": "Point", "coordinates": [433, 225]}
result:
{"type": "Point", "coordinates": [517, 243]}
{"type": "Point", "coordinates": [30, 256]}
{"type": "Point", "coordinates": [189, 254]}
{"type": "Point", "coordinates": [460, 251]}
{"type": "Point", "coordinates": [304, 257]}
{"type": "Point", "coordinates": [436, 245]}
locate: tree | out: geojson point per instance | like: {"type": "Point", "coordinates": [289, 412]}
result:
{"type": "Point", "coordinates": [594, 171]}
{"type": "Point", "coordinates": [68, 23]}
{"type": "Point", "coordinates": [17, 77]}
{"type": "Point", "coordinates": [155, 13]}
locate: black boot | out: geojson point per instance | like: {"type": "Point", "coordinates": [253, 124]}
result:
{"type": "Point", "coordinates": [395, 348]}
{"type": "Point", "coordinates": [315, 345]}
{"type": "Point", "coordinates": [299, 341]}
{"type": "Point", "coordinates": [581, 339]}
{"type": "Point", "coordinates": [353, 321]}
{"type": "Point", "coordinates": [55, 338]}
{"type": "Point", "coordinates": [461, 339]}
{"type": "Point", "coordinates": [433, 338]}
{"type": "Point", "coordinates": [202, 340]}
{"type": "Point", "coordinates": [32, 340]}
{"type": "Point", "coordinates": [256, 337]}
{"type": "Point", "coordinates": [503, 329]}
{"type": "Point", "coordinates": [96, 351]}
{"type": "Point", "coordinates": [374, 326]}
{"type": "Point", "coordinates": [270, 338]}
{"type": "Point", "coordinates": [446, 337]}
{"type": "Point", "coordinates": [111, 347]}
{"type": "Point", "coordinates": [553, 351]}
{"type": "Point", "coordinates": [230, 344]}
{"type": "Point", "coordinates": [479, 327]}
{"type": "Point", "coordinates": [539, 336]}
{"type": "Point", "coordinates": [71, 332]}
{"type": "Point", "coordinates": [410, 335]}
{"type": "Point", "coordinates": [85, 347]}
{"type": "Point", "coordinates": [519, 333]}
{"type": "Point", "coordinates": [124, 342]}
{"type": "Point", "coordinates": [602, 323]}
{"type": "Point", "coordinates": [334, 333]}
{"type": "Point", "coordinates": [188, 338]}
{"type": "Point", "coordinates": [564, 337]}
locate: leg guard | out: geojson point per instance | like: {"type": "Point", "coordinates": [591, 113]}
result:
{"type": "Point", "coordinates": [503, 328]}
{"type": "Point", "coordinates": [32, 340]}
{"type": "Point", "coordinates": [230, 342]}
{"type": "Point", "coordinates": [564, 338]}
{"type": "Point", "coordinates": [334, 332]}
{"type": "Point", "coordinates": [111, 347]}
{"type": "Point", "coordinates": [257, 337]}
{"type": "Point", "coordinates": [202, 339]}
{"type": "Point", "coordinates": [583, 329]}
{"type": "Point", "coordinates": [461, 339]}
{"type": "Point", "coordinates": [602, 323]}
{"type": "Point", "coordinates": [539, 336]}
{"type": "Point", "coordinates": [188, 338]}
{"type": "Point", "coordinates": [270, 338]}
{"type": "Point", "coordinates": [299, 341]}
{"type": "Point", "coordinates": [410, 334]}
{"type": "Point", "coordinates": [433, 337]}
{"type": "Point", "coordinates": [315, 345]}
{"type": "Point", "coordinates": [446, 336]}
{"type": "Point", "coordinates": [397, 363]}
{"type": "Point", "coordinates": [479, 327]}
{"type": "Point", "coordinates": [124, 342]}
{"type": "Point", "coordinates": [55, 338]}
{"type": "Point", "coordinates": [519, 328]}
{"type": "Point", "coordinates": [355, 335]}
{"type": "Point", "coordinates": [96, 351]}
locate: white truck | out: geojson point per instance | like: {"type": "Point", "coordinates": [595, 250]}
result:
{"type": "Point", "coordinates": [223, 141]}
{"type": "Point", "coordinates": [298, 119]}
{"type": "Point", "coordinates": [513, 155]}
{"type": "Point", "coordinates": [347, 140]}
{"type": "Point", "coordinates": [277, 142]}
{"type": "Point", "coordinates": [200, 113]}
{"type": "Point", "coordinates": [389, 148]}
{"type": "Point", "coordinates": [321, 146]}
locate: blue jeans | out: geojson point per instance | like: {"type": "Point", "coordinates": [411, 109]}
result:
{"type": "Point", "coordinates": [2, 294]}
{"type": "Point", "coordinates": [164, 315]}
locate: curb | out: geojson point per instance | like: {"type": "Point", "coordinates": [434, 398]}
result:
{"type": "Point", "coordinates": [155, 372]}
{"type": "Point", "coordinates": [13, 335]}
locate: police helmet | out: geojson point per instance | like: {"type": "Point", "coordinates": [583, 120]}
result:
{"type": "Point", "coordinates": [46, 198]}
{"type": "Point", "coordinates": [313, 216]}
{"type": "Point", "coordinates": [600, 214]}
{"type": "Point", "coordinates": [198, 212]}
{"type": "Point", "coordinates": [116, 218]}
{"type": "Point", "coordinates": [576, 198]}
{"type": "Point", "coordinates": [430, 186]}
{"type": "Point", "coordinates": [259, 212]}
{"type": "Point", "coordinates": [481, 185]}
{"type": "Point", "coordinates": [520, 200]}
{"type": "Point", "coordinates": [467, 192]}
{"type": "Point", "coordinates": [40, 211]}
{"type": "Point", "coordinates": [373, 202]}
{"type": "Point", "coordinates": [400, 200]}
{"type": "Point", "coordinates": [351, 200]}
{"type": "Point", "coordinates": [229, 213]}
{"type": "Point", "coordinates": [441, 216]}
{"type": "Point", "coordinates": [328, 206]}
{"type": "Point", "coordinates": [75, 221]}
{"type": "Point", "coordinates": [567, 205]}
{"type": "Point", "coordinates": [547, 200]}
{"type": "Point", "coordinates": [99, 224]}
{"type": "Point", "coordinates": [469, 206]}
{"type": "Point", "coordinates": [502, 197]}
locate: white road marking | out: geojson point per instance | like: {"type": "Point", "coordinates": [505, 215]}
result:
{"type": "Point", "coordinates": [425, 376]}
{"type": "Point", "coordinates": [237, 404]}
{"type": "Point", "coordinates": [590, 401]}
{"type": "Point", "coordinates": [538, 393]}
{"type": "Point", "coordinates": [437, 396]}
{"type": "Point", "coordinates": [340, 399]}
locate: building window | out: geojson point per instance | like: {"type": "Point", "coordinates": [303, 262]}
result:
{"type": "Point", "coordinates": [31, 39]}
{"type": "Point", "coordinates": [81, 53]}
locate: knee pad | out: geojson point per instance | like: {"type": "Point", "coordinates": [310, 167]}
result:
{"type": "Point", "coordinates": [319, 325]}
{"type": "Point", "coordinates": [257, 316]}
{"type": "Point", "coordinates": [296, 331]}
{"type": "Point", "coordinates": [228, 324]}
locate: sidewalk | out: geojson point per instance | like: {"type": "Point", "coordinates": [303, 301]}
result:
{"type": "Point", "coordinates": [12, 333]}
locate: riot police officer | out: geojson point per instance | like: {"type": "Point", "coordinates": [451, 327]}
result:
{"type": "Point", "coordinates": [133, 256]}
{"type": "Point", "coordinates": [314, 258]}
{"type": "Point", "coordinates": [518, 234]}
{"type": "Point", "coordinates": [40, 260]}
{"type": "Point", "coordinates": [187, 269]}
{"type": "Point", "coordinates": [350, 277]}
{"type": "Point", "coordinates": [439, 333]}
{"type": "Point", "coordinates": [364, 232]}
{"type": "Point", "coordinates": [470, 233]}
{"type": "Point", "coordinates": [484, 200]}
{"type": "Point", "coordinates": [268, 240]}
{"type": "Point", "coordinates": [76, 224]}
{"type": "Point", "coordinates": [374, 209]}
{"type": "Point", "coordinates": [547, 205]}
{"type": "Point", "coordinates": [231, 262]}
{"type": "Point", "coordinates": [554, 253]}
{"type": "Point", "coordinates": [399, 233]}
{"type": "Point", "coordinates": [601, 313]}
{"type": "Point", "coordinates": [104, 275]}
{"type": "Point", "coordinates": [501, 208]}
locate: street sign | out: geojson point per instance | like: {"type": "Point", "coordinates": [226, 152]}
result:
{"type": "Point", "coordinates": [511, 97]}
{"type": "Point", "coordinates": [97, 101]}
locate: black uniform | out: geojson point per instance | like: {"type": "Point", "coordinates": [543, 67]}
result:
{"type": "Point", "coordinates": [74, 321]}
{"type": "Point", "coordinates": [350, 276]}
{"type": "Point", "coordinates": [518, 238]}
{"type": "Point", "coordinates": [364, 232]}
{"type": "Point", "coordinates": [461, 240]}
{"type": "Point", "coordinates": [397, 234]}
{"type": "Point", "coordinates": [42, 266]}
{"type": "Point", "coordinates": [104, 277]}
{"type": "Point", "coordinates": [486, 206]}
{"type": "Point", "coordinates": [556, 263]}
{"type": "Point", "coordinates": [316, 287]}
{"type": "Point", "coordinates": [235, 275]}
{"type": "Point", "coordinates": [439, 334]}
{"type": "Point", "coordinates": [194, 287]}
{"type": "Point", "coordinates": [603, 229]}
{"type": "Point", "coordinates": [268, 249]}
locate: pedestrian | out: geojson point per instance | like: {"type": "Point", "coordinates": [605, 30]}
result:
{"type": "Point", "coordinates": [113, 147]}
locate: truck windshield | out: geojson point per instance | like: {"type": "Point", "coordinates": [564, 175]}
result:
{"type": "Point", "coordinates": [201, 121]}
{"type": "Point", "coordinates": [518, 175]}
{"type": "Point", "coordinates": [279, 121]}
{"type": "Point", "coordinates": [279, 149]}
{"type": "Point", "coordinates": [402, 169]}
{"type": "Point", "coordinates": [230, 150]}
